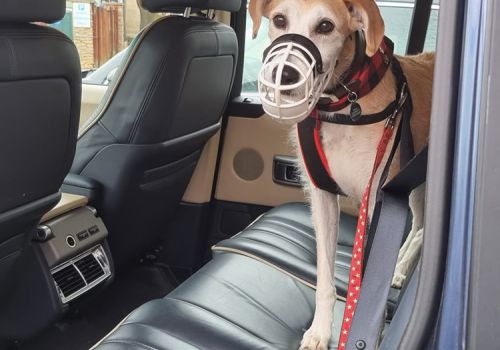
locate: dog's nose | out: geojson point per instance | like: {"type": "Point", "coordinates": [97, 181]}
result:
{"type": "Point", "coordinates": [289, 76]}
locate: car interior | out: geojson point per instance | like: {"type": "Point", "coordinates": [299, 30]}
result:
{"type": "Point", "coordinates": [165, 211]}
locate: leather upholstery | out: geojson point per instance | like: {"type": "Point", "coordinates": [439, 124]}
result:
{"type": "Point", "coordinates": [25, 11]}
{"type": "Point", "coordinates": [284, 238]}
{"type": "Point", "coordinates": [145, 139]}
{"type": "Point", "coordinates": [40, 92]}
{"type": "Point", "coordinates": [166, 5]}
{"type": "Point", "coordinates": [234, 302]}
{"type": "Point", "coordinates": [238, 301]}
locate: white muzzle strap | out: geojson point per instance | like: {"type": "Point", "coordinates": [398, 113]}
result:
{"type": "Point", "coordinates": [287, 99]}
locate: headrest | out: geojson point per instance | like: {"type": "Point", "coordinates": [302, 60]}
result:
{"type": "Point", "coordinates": [174, 5]}
{"type": "Point", "coordinates": [47, 11]}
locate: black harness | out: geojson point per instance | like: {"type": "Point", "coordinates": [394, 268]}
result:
{"type": "Point", "coordinates": [310, 138]}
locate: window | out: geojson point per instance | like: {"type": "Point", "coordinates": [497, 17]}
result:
{"type": "Point", "coordinates": [397, 15]}
{"type": "Point", "coordinates": [102, 30]}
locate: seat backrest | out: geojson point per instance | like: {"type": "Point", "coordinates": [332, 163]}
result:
{"type": "Point", "coordinates": [144, 140]}
{"type": "Point", "coordinates": [40, 92]}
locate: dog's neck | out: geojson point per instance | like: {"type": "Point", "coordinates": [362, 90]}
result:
{"type": "Point", "coordinates": [344, 64]}
{"type": "Point", "coordinates": [382, 94]}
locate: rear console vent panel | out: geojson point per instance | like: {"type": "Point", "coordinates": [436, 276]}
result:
{"type": "Point", "coordinates": [90, 268]}
{"type": "Point", "coordinates": [82, 273]}
{"type": "Point", "coordinates": [69, 280]}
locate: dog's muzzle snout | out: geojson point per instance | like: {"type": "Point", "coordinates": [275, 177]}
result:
{"type": "Point", "coordinates": [289, 76]}
{"type": "Point", "coordinates": [292, 79]}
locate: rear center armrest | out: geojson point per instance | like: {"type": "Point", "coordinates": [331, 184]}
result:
{"type": "Point", "coordinates": [82, 185]}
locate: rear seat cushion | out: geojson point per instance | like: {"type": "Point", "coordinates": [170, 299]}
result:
{"type": "Point", "coordinates": [234, 302]}
{"type": "Point", "coordinates": [262, 297]}
{"type": "Point", "coordinates": [284, 238]}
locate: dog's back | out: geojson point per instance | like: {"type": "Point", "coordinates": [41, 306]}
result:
{"type": "Point", "coordinates": [419, 71]}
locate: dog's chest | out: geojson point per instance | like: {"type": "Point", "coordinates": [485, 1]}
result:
{"type": "Point", "coordinates": [350, 151]}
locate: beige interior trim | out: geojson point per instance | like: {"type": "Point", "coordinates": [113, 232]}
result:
{"type": "Point", "coordinates": [216, 248]}
{"type": "Point", "coordinates": [67, 203]}
{"type": "Point", "coordinates": [199, 190]}
{"type": "Point", "coordinates": [223, 17]}
{"type": "Point", "coordinates": [268, 138]}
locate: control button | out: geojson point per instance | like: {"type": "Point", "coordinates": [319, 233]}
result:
{"type": "Point", "coordinates": [82, 235]}
{"type": "Point", "coordinates": [70, 241]}
{"type": "Point", "coordinates": [93, 230]}
{"type": "Point", "coordinates": [44, 233]}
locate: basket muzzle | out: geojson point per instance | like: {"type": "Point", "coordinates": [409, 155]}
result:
{"type": "Point", "coordinates": [292, 78]}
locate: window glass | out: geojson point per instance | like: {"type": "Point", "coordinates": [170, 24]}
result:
{"type": "Point", "coordinates": [397, 16]}
{"type": "Point", "coordinates": [102, 30]}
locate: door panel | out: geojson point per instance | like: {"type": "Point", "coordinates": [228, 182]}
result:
{"type": "Point", "coordinates": [246, 167]}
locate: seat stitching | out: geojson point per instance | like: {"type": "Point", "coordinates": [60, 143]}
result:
{"type": "Point", "coordinates": [291, 226]}
{"type": "Point", "coordinates": [128, 342]}
{"type": "Point", "coordinates": [217, 316]}
{"type": "Point", "coordinates": [145, 103]}
{"type": "Point", "coordinates": [277, 247]}
{"type": "Point", "coordinates": [270, 264]}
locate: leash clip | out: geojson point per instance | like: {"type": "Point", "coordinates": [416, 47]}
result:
{"type": "Point", "coordinates": [401, 102]}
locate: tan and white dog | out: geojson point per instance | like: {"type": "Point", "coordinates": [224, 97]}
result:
{"type": "Point", "coordinates": [350, 150]}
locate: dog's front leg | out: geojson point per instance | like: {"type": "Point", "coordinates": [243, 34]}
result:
{"type": "Point", "coordinates": [325, 214]}
{"type": "Point", "coordinates": [410, 251]}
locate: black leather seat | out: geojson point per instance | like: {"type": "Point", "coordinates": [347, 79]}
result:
{"type": "Point", "coordinates": [257, 292]}
{"type": "Point", "coordinates": [284, 238]}
{"type": "Point", "coordinates": [233, 303]}
{"type": "Point", "coordinates": [136, 155]}
{"type": "Point", "coordinates": [40, 92]}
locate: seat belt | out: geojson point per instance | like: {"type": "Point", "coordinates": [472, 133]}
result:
{"type": "Point", "coordinates": [370, 311]}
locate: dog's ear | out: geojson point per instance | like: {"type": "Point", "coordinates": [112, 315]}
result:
{"type": "Point", "coordinates": [365, 15]}
{"type": "Point", "coordinates": [256, 9]}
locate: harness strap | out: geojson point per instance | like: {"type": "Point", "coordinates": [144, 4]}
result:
{"type": "Point", "coordinates": [366, 119]}
{"type": "Point", "coordinates": [314, 156]}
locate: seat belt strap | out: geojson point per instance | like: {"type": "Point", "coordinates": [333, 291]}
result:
{"type": "Point", "coordinates": [370, 311]}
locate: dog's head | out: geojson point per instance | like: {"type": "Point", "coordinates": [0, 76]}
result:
{"type": "Point", "coordinates": [329, 24]}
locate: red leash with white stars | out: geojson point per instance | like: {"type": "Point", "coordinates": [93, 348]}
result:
{"type": "Point", "coordinates": [356, 272]}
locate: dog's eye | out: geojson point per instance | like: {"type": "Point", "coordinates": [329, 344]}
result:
{"type": "Point", "coordinates": [279, 21]}
{"type": "Point", "coordinates": [325, 27]}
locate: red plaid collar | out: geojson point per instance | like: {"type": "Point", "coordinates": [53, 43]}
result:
{"type": "Point", "coordinates": [361, 81]}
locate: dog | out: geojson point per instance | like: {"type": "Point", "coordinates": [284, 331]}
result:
{"type": "Point", "coordinates": [331, 25]}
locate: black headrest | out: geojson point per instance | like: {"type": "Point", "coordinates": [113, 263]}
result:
{"type": "Point", "coordinates": [174, 5]}
{"type": "Point", "coordinates": [47, 11]}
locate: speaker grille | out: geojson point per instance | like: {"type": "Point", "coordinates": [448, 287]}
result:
{"type": "Point", "coordinates": [248, 164]}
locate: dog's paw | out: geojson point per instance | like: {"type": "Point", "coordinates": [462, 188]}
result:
{"type": "Point", "coordinates": [398, 280]}
{"type": "Point", "coordinates": [314, 339]}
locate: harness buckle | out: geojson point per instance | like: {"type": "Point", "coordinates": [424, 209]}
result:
{"type": "Point", "coordinates": [403, 96]}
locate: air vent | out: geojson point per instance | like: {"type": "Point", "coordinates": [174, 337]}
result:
{"type": "Point", "coordinates": [90, 268]}
{"type": "Point", "coordinates": [69, 280]}
{"type": "Point", "coordinates": [81, 274]}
